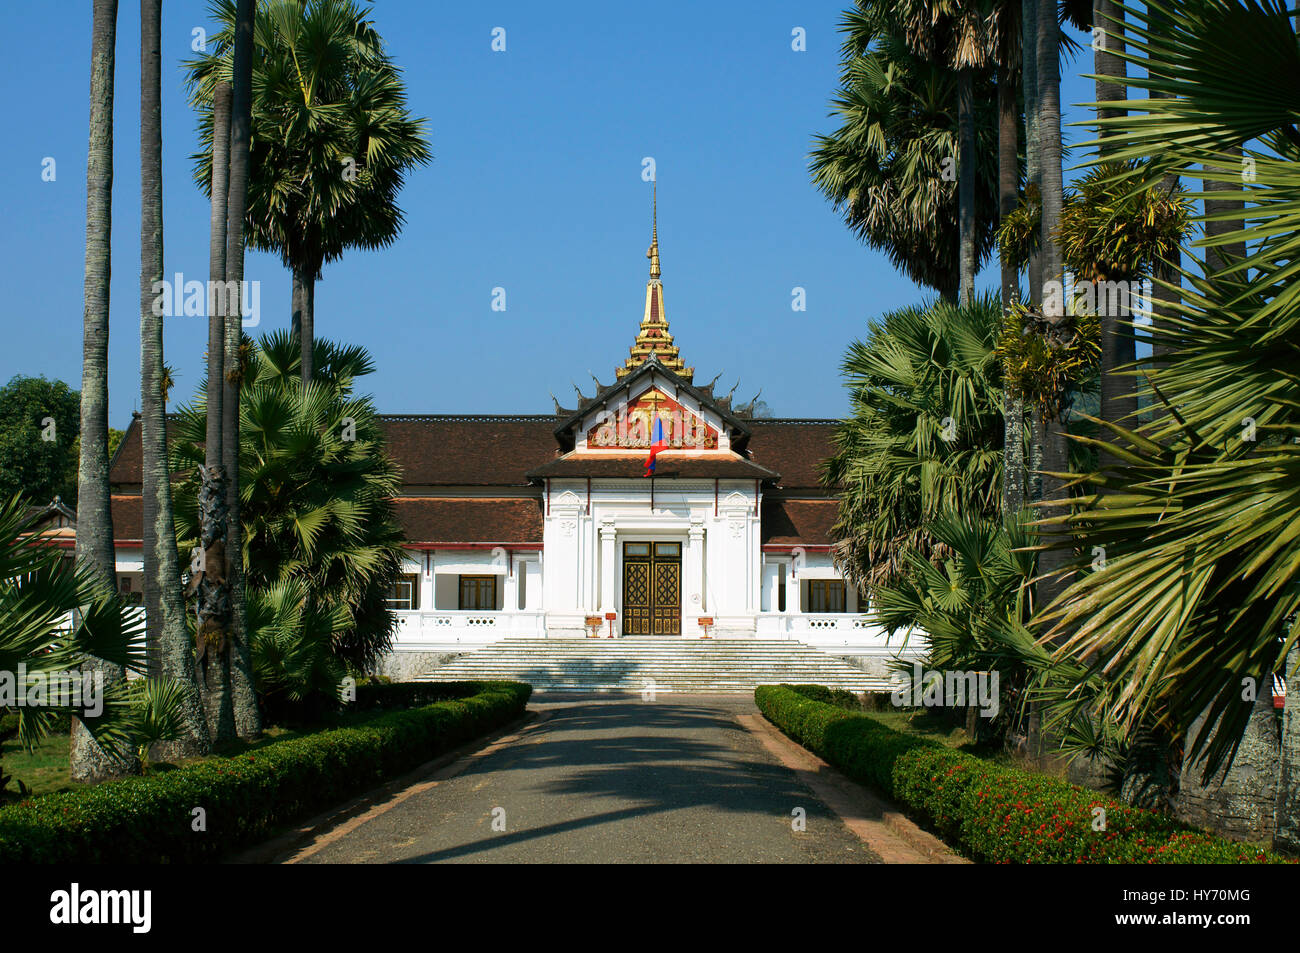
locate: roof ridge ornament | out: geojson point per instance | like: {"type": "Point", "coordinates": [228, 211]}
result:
{"type": "Point", "coordinates": [653, 336]}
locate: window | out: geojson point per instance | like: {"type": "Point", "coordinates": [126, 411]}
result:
{"type": "Point", "coordinates": [478, 592]}
{"type": "Point", "coordinates": [405, 594]}
{"type": "Point", "coordinates": [826, 595]}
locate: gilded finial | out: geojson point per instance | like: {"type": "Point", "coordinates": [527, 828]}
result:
{"type": "Point", "coordinates": [653, 252]}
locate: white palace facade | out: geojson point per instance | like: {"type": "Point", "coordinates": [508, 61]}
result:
{"type": "Point", "coordinates": [548, 526]}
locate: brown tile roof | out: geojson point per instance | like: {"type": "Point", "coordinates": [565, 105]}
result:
{"type": "Point", "coordinates": [793, 448]}
{"type": "Point", "coordinates": [128, 518]}
{"type": "Point", "coordinates": [469, 451]}
{"type": "Point", "coordinates": [126, 465]}
{"type": "Point", "coordinates": [501, 450]}
{"type": "Point", "coordinates": [431, 449]}
{"type": "Point", "coordinates": [428, 520]}
{"type": "Point", "coordinates": [798, 522]}
{"type": "Point", "coordinates": [668, 464]}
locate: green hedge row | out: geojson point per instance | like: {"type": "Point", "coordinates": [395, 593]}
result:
{"type": "Point", "coordinates": [385, 694]}
{"type": "Point", "coordinates": [244, 798]}
{"type": "Point", "coordinates": [991, 812]}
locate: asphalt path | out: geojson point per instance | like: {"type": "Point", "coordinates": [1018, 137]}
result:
{"type": "Point", "coordinates": [608, 779]}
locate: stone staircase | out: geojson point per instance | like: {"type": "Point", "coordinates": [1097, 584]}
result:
{"type": "Point", "coordinates": [669, 664]}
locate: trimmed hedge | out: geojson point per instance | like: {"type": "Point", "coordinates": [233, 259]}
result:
{"type": "Point", "coordinates": [386, 695]}
{"type": "Point", "coordinates": [244, 797]}
{"type": "Point", "coordinates": [991, 812]}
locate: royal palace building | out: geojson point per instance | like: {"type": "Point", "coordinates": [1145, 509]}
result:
{"type": "Point", "coordinates": [558, 526]}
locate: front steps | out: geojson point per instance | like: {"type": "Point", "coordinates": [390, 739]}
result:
{"type": "Point", "coordinates": [668, 664]}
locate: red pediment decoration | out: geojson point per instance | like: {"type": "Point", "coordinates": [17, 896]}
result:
{"type": "Point", "coordinates": [631, 425]}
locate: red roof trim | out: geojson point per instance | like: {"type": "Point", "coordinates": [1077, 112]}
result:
{"type": "Point", "coordinates": [523, 547]}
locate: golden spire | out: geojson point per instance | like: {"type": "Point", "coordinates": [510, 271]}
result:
{"type": "Point", "coordinates": [653, 252]}
{"type": "Point", "coordinates": [653, 337]}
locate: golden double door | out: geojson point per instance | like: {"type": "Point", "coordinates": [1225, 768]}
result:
{"type": "Point", "coordinates": [652, 588]}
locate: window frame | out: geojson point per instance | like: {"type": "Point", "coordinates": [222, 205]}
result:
{"type": "Point", "coordinates": [827, 587]}
{"type": "Point", "coordinates": [393, 600]}
{"type": "Point", "coordinates": [479, 581]}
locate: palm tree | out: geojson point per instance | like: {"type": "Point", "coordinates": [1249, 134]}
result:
{"type": "Point", "coordinates": [317, 488]}
{"type": "Point", "coordinates": [164, 602]}
{"type": "Point", "coordinates": [213, 589]}
{"type": "Point", "coordinates": [963, 598]}
{"type": "Point", "coordinates": [956, 34]}
{"type": "Point", "coordinates": [293, 636]}
{"type": "Point", "coordinates": [1201, 586]}
{"type": "Point", "coordinates": [887, 168]}
{"type": "Point", "coordinates": [1052, 433]}
{"type": "Point", "coordinates": [40, 591]}
{"type": "Point", "coordinates": [923, 436]}
{"type": "Point", "coordinates": [332, 140]}
{"type": "Point", "coordinates": [88, 762]}
{"type": "Point", "coordinates": [236, 654]}
{"type": "Point", "coordinates": [1118, 350]}
{"type": "Point", "coordinates": [1007, 22]}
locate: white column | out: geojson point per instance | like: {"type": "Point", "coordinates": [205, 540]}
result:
{"type": "Point", "coordinates": [693, 579]}
{"type": "Point", "coordinates": [607, 565]}
{"type": "Point", "coordinates": [510, 588]}
{"type": "Point", "coordinates": [771, 580]}
{"type": "Point", "coordinates": [426, 582]}
{"type": "Point", "coordinates": [533, 584]}
{"type": "Point", "coordinates": [792, 592]}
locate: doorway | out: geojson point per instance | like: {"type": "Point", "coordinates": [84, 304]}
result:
{"type": "Point", "coordinates": [652, 588]}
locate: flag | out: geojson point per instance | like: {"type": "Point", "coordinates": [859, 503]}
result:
{"type": "Point", "coordinates": [657, 443]}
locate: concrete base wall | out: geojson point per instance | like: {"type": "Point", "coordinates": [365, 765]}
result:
{"type": "Point", "coordinates": [871, 664]}
{"type": "Point", "coordinates": [404, 666]}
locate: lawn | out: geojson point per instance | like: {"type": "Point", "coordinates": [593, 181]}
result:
{"type": "Point", "coordinates": [45, 768]}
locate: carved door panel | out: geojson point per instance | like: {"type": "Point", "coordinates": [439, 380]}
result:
{"type": "Point", "coordinates": [666, 610]}
{"type": "Point", "coordinates": [636, 596]}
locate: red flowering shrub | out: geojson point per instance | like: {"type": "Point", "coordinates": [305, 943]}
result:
{"type": "Point", "coordinates": [992, 812]}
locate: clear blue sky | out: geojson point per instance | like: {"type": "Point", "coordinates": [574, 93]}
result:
{"type": "Point", "coordinates": [536, 187]}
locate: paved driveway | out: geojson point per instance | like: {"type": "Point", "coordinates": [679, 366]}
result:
{"type": "Point", "coordinates": [607, 779]}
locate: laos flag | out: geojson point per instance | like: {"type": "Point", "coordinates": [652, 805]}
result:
{"type": "Point", "coordinates": [657, 443]}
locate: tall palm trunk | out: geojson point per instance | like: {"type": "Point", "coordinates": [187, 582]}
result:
{"type": "Point", "coordinates": [1055, 456]}
{"type": "Point", "coordinates": [214, 590]}
{"type": "Point", "coordinates": [1052, 443]}
{"type": "Point", "coordinates": [87, 760]}
{"type": "Point", "coordinates": [1013, 408]}
{"type": "Point", "coordinates": [1220, 256]}
{"type": "Point", "coordinates": [248, 719]}
{"type": "Point", "coordinates": [1033, 160]}
{"type": "Point", "coordinates": [1118, 349]}
{"type": "Point", "coordinates": [304, 292]}
{"type": "Point", "coordinates": [966, 173]}
{"type": "Point", "coordinates": [165, 602]}
{"type": "Point", "coordinates": [1287, 834]}
{"type": "Point", "coordinates": [1163, 300]}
